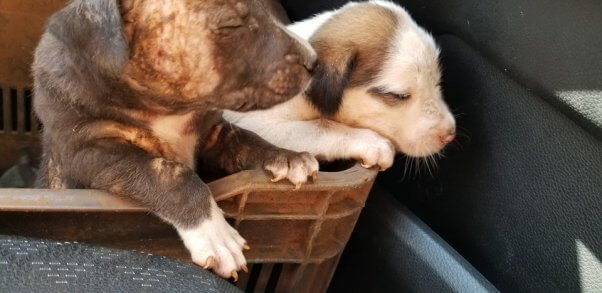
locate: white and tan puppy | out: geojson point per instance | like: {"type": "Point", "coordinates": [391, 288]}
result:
{"type": "Point", "coordinates": [376, 90]}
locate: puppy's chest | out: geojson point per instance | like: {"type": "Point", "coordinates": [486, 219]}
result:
{"type": "Point", "coordinates": [179, 132]}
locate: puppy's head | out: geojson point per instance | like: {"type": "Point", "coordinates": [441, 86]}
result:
{"type": "Point", "coordinates": [228, 54]}
{"type": "Point", "coordinates": [379, 70]}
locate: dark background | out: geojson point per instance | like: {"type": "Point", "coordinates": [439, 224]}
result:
{"type": "Point", "coordinates": [520, 193]}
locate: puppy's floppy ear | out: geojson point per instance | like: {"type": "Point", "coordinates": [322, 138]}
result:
{"type": "Point", "coordinates": [331, 76]}
{"type": "Point", "coordinates": [93, 33]}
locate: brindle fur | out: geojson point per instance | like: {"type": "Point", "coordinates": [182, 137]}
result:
{"type": "Point", "coordinates": [106, 69]}
{"type": "Point", "coordinates": [251, 151]}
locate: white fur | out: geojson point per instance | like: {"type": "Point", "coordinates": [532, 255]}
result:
{"type": "Point", "coordinates": [172, 130]}
{"type": "Point", "coordinates": [215, 238]}
{"type": "Point", "coordinates": [296, 126]}
{"type": "Point", "coordinates": [411, 67]}
{"type": "Point", "coordinates": [364, 126]}
{"type": "Point", "coordinates": [306, 28]}
{"type": "Point", "coordinates": [392, 6]}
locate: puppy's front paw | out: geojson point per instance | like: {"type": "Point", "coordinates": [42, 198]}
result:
{"type": "Point", "coordinates": [296, 167]}
{"type": "Point", "coordinates": [214, 244]}
{"type": "Point", "coordinates": [371, 149]}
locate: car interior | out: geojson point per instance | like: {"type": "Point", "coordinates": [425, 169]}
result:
{"type": "Point", "coordinates": [515, 204]}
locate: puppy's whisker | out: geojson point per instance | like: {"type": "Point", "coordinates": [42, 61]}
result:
{"type": "Point", "coordinates": [405, 169]}
{"type": "Point", "coordinates": [427, 164]}
{"type": "Point", "coordinates": [462, 135]}
{"type": "Point", "coordinates": [457, 145]}
{"type": "Point", "coordinates": [434, 161]}
{"type": "Point", "coordinates": [418, 166]}
{"type": "Point", "coordinates": [433, 164]}
{"type": "Point", "coordinates": [460, 129]}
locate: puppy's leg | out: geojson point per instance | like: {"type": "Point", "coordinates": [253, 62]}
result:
{"type": "Point", "coordinates": [326, 139]}
{"type": "Point", "coordinates": [171, 190]}
{"type": "Point", "coordinates": [232, 149]}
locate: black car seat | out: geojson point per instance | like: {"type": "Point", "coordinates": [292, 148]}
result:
{"type": "Point", "coordinates": [38, 265]}
{"type": "Point", "coordinates": [520, 194]}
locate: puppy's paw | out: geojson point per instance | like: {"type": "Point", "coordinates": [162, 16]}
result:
{"type": "Point", "coordinates": [371, 149]}
{"type": "Point", "coordinates": [296, 167]}
{"type": "Point", "coordinates": [214, 244]}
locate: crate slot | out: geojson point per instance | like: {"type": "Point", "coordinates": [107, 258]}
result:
{"type": "Point", "coordinates": [332, 236]}
{"type": "Point", "coordinates": [276, 239]}
{"type": "Point", "coordinates": [307, 203]}
{"type": "Point", "coordinates": [230, 205]}
{"type": "Point", "coordinates": [348, 199]}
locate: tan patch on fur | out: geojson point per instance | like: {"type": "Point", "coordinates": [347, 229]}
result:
{"type": "Point", "coordinates": [161, 34]}
{"type": "Point", "coordinates": [138, 114]}
{"type": "Point", "coordinates": [187, 52]}
{"type": "Point", "coordinates": [135, 136]}
{"type": "Point", "coordinates": [176, 131]}
{"type": "Point", "coordinates": [213, 137]}
{"type": "Point", "coordinates": [167, 169]}
{"type": "Point", "coordinates": [367, 30]}
{"type": "Point", "coordinates": [117, 188]}
{"type": "Point", "coordinates": [55, 176]}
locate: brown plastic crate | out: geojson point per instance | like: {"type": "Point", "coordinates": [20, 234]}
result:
{"type": "Point", "coordinates": [21, 25]}
{"type": "Point", "coordinates": [296, 236]}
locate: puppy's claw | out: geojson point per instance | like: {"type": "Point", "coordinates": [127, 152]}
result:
{"type": "Point", "coordinates": [209, 262]}
{"type": "Point", "coordinates": [235, 276]}
{"type": "Point", "coordinates": [246, 247]}
{"type": "Point", "coordinates": [244, 268]}
{"type": "Point", "coordinates": [366, 165]}
{"type": "Point", "coordinates": [297, 186]}
{"type": "Point", "coordinates": [277, 178]}
{"type": "Point", "coordinates": [314, 176]}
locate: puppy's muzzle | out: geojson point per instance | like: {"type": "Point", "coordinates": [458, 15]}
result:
{"type": "Point", "coordinates": [309, 61]}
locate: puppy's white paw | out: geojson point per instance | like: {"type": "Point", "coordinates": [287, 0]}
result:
{"type": "Point", "coordinates": [214, 244]}
{"type": "Point", "coordinates": [371, 149]}
{"type": "Point", "coordinates": [296, 167]}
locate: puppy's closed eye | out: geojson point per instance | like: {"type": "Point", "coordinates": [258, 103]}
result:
{"type": "Point", "coordinates": [228, 19]}
{"type": "Point", "coordinates": [231, 23]}
{"type": "Point", "coordinates": [391, 98]}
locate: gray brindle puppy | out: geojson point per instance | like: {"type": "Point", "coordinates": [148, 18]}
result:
{"type": "Point", "coordinates": [127, 92]}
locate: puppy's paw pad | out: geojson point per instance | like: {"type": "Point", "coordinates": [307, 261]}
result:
{"type": "Point", "coordinates": [296, 167]}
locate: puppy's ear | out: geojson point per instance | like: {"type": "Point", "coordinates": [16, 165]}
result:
{"type": "Point", "coordinates": [93, 33]}
{"type": "Point", "coordinates": [331, 76]}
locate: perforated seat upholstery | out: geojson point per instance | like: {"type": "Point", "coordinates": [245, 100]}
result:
{"type": "Point", "coordinates": [33, 265]}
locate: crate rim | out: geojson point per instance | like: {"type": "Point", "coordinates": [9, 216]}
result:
{"type": "Point", "coordinates": [93, 200]}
